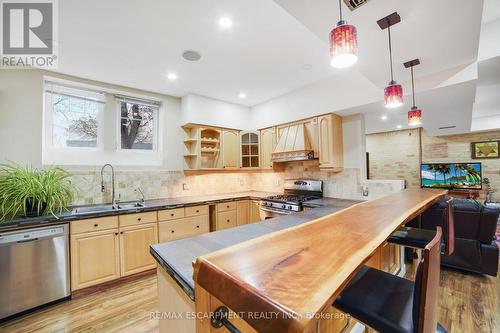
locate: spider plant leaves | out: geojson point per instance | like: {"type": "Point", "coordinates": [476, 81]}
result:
{"type": "Point", "coordinates": [25, 189]}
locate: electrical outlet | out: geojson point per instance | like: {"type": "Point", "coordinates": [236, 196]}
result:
{"type": "Point", "coordinates": [185, 187]}
{"type": "Point", "coordinates": [365, 191]}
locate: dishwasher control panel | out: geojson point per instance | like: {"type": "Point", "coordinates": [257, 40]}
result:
{"type": "Point", "coordinates": [32, 234]}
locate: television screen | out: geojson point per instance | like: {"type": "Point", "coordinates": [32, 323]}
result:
{"type": "Point", "coordinates": [451, 175]}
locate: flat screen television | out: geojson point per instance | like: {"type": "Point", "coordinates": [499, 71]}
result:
{"type": "Point", "coordinates": [466, 176]}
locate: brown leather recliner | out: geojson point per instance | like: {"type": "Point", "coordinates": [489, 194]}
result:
{"type": "Point", "coordinates": [475, 226]}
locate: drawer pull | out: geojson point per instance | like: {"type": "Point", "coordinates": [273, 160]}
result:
{"type": "Point", "coordinates": [197, 210]}
{"type": "Point", "coordinates": [139, 219]}
{"type": "Point", "coordinates": [227, 206]}
{"type": "Point", "coordinates": [121, 232]}
{"type": "Point", "coordinates": [116, 234]}
{"type": "Point", "coordinates": [227, 221]}
{"type": "Point", "coordinates": [172, 231]}
{"type": "Point", "coordinates": [198, 226]}
{"type": "Point", "coordinates": [96, 225]}
{"type": "Point", "coordinates": [172, 214]}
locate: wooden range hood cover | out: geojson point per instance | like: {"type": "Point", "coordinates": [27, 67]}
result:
{"type": "Point", "coordinates": [293, 145]}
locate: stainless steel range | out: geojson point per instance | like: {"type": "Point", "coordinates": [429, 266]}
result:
{"type": "Point", "coordinates": [297, 191]}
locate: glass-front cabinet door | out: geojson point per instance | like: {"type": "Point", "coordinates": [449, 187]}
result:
{"type": "Point", "coordinates": [250, 150]}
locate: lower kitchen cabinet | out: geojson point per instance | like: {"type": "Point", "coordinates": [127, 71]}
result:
{"type": "Point", "coordinates": [386, 258]}
{"type": "Point", "coordinates": [95, 258]}
{"type": "Point", "coordinates": [254, 211]}
{"type": "Point", "coordinates": [243, 211]}
{"type": "Point", "coordinates": [227, 219]}
{"type": "Point", "coordinates": [182, 228]}
{"type": "Point", "coordinates": [134, 248]}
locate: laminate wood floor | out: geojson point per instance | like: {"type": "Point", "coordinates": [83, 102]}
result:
{"type": "Point", "coordinates": [469, 303]}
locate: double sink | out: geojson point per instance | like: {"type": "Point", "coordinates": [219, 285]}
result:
{"type": "Point", "coordinates": [108, 207]}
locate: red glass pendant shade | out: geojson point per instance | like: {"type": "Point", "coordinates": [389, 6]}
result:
{"type": "Point", "coordinates": [393, 95]}
{"type": "Point", "coordinates": [343, 45]}
{"type": "Point", "coordinates": [415, 116]}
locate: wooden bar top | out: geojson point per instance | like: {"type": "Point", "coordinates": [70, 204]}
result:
{"type": "Point", "coordinates": [293, 274]}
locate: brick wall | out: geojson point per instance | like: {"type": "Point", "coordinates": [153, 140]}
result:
{"type": "Point", "coordinates": [396, 154]}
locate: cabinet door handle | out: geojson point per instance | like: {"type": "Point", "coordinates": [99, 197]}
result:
{"type": "Point", "coordinates": [197, 210]}
{"type": "Point", "coordinates": [227, 221]}
{"type": "Point", "coordinates": [121, 232]}
{"type": "Point", "coordinates": [198, 226]}
{"type": "Point", "coordinates": [172, 231]}
{"type": "Point", "coordinates": [116, 234]}
{"type": "Point", "coordinates": [96, 225]}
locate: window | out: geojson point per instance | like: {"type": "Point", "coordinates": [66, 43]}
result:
{"type": "Point", "coordinates": [74, 117]}
{"type": "Point", "coordinates": [138, 124]}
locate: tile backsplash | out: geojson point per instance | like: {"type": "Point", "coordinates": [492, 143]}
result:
{"type": "Point", "coordinates": [164, 184]}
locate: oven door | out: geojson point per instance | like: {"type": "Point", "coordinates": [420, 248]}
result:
{"type": "Point", "coordinates": [267, 213]}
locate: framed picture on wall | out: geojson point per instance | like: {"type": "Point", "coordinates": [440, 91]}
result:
{"type": "Point", "coordinates": [485, 149]}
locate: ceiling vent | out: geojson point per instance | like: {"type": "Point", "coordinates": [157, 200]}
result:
{"type": "Point", "coordinates": [191, 55]}
{"type": "Point", "coordinates": [355, 4]}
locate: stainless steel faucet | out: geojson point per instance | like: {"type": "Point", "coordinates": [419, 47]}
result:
{"type": "Point", "coordinates": [113, 202]}
{"type": "Point", "coordinates": [142, 194]}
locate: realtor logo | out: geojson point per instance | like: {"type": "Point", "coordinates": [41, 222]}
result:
{"type": "Point", "coordinates": [29, 32]}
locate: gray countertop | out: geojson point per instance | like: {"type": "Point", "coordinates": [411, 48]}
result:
{"type": "Point", "coordinates": [177, 257]}
{"type": "Point", "coordinates": [156, 204]}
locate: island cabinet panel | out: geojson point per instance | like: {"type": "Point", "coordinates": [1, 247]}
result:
{"type": "Point", "coordinates": [243, 211]}
{"type": "Point", "coordinates": [227, 219]}
{"type": "Point", "coordinates": [254, 211]}
{"type": "Point", "coordinates": [267, 143]}
{"type": "Point", "coordinates": [182, 228]}
{"type": "Point", "coordinates": [137, 219]}
{"type": "Point", "coordinates": [134, 248]}
{"type": "Point", "coordinates": [390, 257]}
{"type": "Point", "coordinates": [230, 149]}
{"type": "Point", "coordinates": [330, 142]}
{"type": "Point", "coordinates": [94, 258]}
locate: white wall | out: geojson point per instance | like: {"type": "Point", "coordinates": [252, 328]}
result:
{"type": "Point", "coordinates": [203, 110]}
{"type": "Point", "coordinates": [21, 125]}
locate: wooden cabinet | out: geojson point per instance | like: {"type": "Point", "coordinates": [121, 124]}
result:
{"type": "Point", "coordinates": [250, 150]}
{"type": "Point", "coordinates": [230, 149]}
{"type": "Point", "coordinates": [390, 257]}
{"type": "Point", "coordinates": [243, 211]}
{"type": "Point", "coordinates": [134, 248]}
{"type": "Point", "coordinates": [330, 142]}
{"type": "Point", "coordinates": [94, 258]}
{"type": "Point", "coordinates": [254, 211]}
{"type": "Point", "coordinates": [182, 222]}
{"type": "Point", "coordinates": [182, 228]}
{"type": "Point", "coordinates": [267, 144]}
{"type": "Point", "coordinates": [227, 219]}
{"type": "Point", "coordinates": [137, 219]}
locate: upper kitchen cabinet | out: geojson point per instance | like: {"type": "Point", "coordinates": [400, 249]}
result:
{"type": "Point", "coordinates": [250, 149]}
{"type": "Point", "coordinates": [330, 142]}
{"type": "Point", "coordinates": [230, 149]}
{"type": "Point", "coordinates": [210, 156]}
{"type": "Point", "coordinates": [267, 145]}
{"type": "Point", "coordinates": [191, 147]}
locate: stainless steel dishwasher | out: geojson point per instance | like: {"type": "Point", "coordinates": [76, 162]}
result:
{"type": "Point", "coordinates": [34, 268]}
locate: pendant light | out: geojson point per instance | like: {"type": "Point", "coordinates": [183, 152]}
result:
{"type": "Point", "coordinates": [393, 93]}
{"type": "Point", "coordinates": [343, 44]}
{"type": "Point", "coordinates": [415, 114]}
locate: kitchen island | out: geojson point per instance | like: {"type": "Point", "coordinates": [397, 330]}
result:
{"type": "Point", "coordinates": [287, 270]}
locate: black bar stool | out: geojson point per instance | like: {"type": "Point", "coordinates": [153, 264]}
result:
{"type": "Point", "coordinates": [391, 304]}
{"type": "Point", "coordinates": [418, 238]}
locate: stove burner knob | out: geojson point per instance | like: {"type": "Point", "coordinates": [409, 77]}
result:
{"type": "Point", "coordinates": [290, 207]}
{"type": "Point", "coordinates": [283, 206]}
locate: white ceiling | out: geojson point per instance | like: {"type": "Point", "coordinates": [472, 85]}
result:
{"type": "Point", "coordinates": [276, 48]}
{"type": "Point", "coordinates": [265, 54]}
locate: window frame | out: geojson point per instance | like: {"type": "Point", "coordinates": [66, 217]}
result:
{"type": "Point", "coordinates": [48, 123]}
{"type": "Point", "coordinates": [156, 131]}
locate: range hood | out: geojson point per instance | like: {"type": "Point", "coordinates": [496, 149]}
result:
{"type": "Point", "coordinates": [293, 145]}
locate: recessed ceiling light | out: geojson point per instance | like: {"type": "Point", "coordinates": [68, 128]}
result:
{"type": "Point", "coordinates": [172, 76]}
{"type": "Point", "coordinates": [225, 22]}
{"type": "Point", "coordinates": [242, 95]}
{"type": "Point", "coordinates": [383, 117]}
{"type": "Point", "coordinates": [399, 127]}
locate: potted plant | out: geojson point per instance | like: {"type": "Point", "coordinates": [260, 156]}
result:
{"type": "Point", "coordinates": [29, 192]}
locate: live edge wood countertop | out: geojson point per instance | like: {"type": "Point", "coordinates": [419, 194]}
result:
{"type": "Point", "coordinates": [298, 272]}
